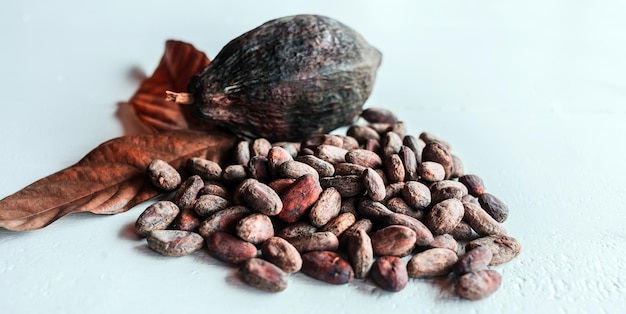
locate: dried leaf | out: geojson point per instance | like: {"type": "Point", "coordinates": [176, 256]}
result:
{"type": "Point", "coordinates": [110, 179]}
{"type": "Point", "coordinates": [179, 63]}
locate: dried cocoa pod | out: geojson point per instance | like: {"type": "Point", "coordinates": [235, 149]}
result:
{"type": "Point", "coordinates": [378, 115]}
{"type": "Point", "coordinates": [431, 263]}
{"type": "Point", "coordinates": [327, 266]}
{"type": "Point", "coordinates": [206, 169]}
{"type": "Point", "coordinates": [259, 169]}
{"type": "Point", "coordinates": [263, 199]}
{"type": "Point", "coordinates": [188, 191]}
{"type": "Point", "coordinates": [332, 154]}
{"type": "Point", "coordinates": [390, 273]}
{"type": "Point", "coordinates": [481, 221]}
{"type": "Point", "coordinates": [312, 93]}
{"type": "Point", "coordinates": [494, 207]}
{"type": "Point", "coordinates": [163, 175]}
{"type": "Point", "coordinates": [174, 242]}
{"type": "Point", "coordinates": [255, 228]}
{"type": "Point", "coordinates": [416, 194]}
{"type": "Point", "coordinates": [157, 216]}
{"type": "Point", "coordinates": [263, 275]}
{"type": "Point", "coordinates": [374, 185]}
{"type": "Point", "coordinates": [445, 241]}
{"type": "Point", "coordinates": [431, 171]}
{"type": "Point", "coordinates": [394, 240]}
{"type": "Point", "coordinates": [225, 220]}
{"type": "Point", "coordinates": [281, 253]}
{"type": "Point", "coordinates": [479, 284]}
{"type": "Point", "coordinates": [295, 169]}
{"type": "Point", "coordinates": [394, 168]}
{"type": "Point", "coordinates": [229, 248]}
{"type": "Point", "coordinates": [261, 147]}
{"type": "Point", "coordinates": [360, 252]}
{"type": "Point", "coordinates": [242, 153]}
{"type": "Point", "coordinates": [398, 205]}
{"type": "Point", "coordinates": [504, 248]}
{"type": "Point", "coordinates": [348, 186]}
{"type": "Point", "coordinates": [299, 197]}
{"type": "Point", "coordinates": [323, 168]}
{"type": "Point", "coordinates": [362, 133]}
{"type": "Point", "coordinates": [346, 169]}
{"type": "Point", "coordinates": [436, 152]}
{"type": "Point", "coordinates": [474, 184]}
{"type": "Point", "coordinates": [316, 241]}
{"type": "Point", "coordinates": [364, 157]}
{"type": "Point", "coordinates": [444, 216]}
{"type": "Point", "coordinates": [206, 205]}
{"type": "Point", "coordinates": [296, 229]}
{"type": "Point", "coordinates": [339, 224]}
{"type": "Point", "coordinates": [476, 259]}
{"type": "Point", "coordinates": [326, 207]}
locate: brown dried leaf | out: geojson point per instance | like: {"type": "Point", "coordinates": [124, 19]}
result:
{"type": "Point", "coordinates": [110, 179]}
{"type": "Point", "coordinates": [179, 63]}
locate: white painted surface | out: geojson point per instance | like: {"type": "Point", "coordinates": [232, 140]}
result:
{"type": "Point", "coordinates": [532, 96]}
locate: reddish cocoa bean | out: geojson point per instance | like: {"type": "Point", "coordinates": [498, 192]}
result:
{"type": "Point", "coordinates": [174, 242]}
{"type": "Point", "coordinates": [480, 221]}
{"type": "Point", "coordinates": [444, 216]}
{"type": "Point", "coordinates": [225, 220]}
{"type": "Point", "coordinates": [423, 234]}
{"type": "Point", "coordinates": [394, 240]}
{"type": "Point", "coordinates": [281, 185]}
{"type": "Point", "coordinates": [327, 266]}
{"type": "Point", "coordinates": [299, 197]}
{"type": "Point", "coordinates": [187, 220]}
{"type": "Point", "coordinates": [255, 228]}
{"type": "Point", "coordinates": [339, 224]}
{"type": "Point", "coordinates": [476, 259]}
{"type": "Point", "coordinates": [157, 216]}
{"type": "Point", "coordinates": [365, 158]}
{"type": "Point", "coordinates": [275, 157]}
{"type": "Point", "coordinates": [229, 248]}
{"type": "Point", "coordinates": [431, 171]}
{"type": "Point", "coordinates": [263, 275]}
{"type": "Point", "coordinates": [326, 207]}
{"type": "Point", "coordinates": [360, 252]}
{"type": "Point", "coordinates": [390, 273]}
{"type": "Point", "coordinates": [261, 147]}
{"type": "Point", "coordinates": [474, 184]}
{"type": "Point", "coordinates": [478, 285]}
{"type": "Point", "coordinates": [374, 185]}
{"type": "Point", "coordinates": [317, 241]}
{"type": "Point", "coordinates": [363, 224]}
{"type": "Point", "coordinates": [163, 175]}
{"type": "Point", "coordinates": [431, 263]}
{"type": "Point", "coordinates": [416, 194]}
{"type": "Point", "coordinates": [206, 169]}
{"type": "Point", "coordinates": [281, 253]}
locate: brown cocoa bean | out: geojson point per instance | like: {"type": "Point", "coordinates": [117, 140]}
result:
{"type": "Point", "coordinates": [188, 191]}
{"type": "Point", "coordinates": [326, 207]}
{"type": "Point", "coordinates": [431, 171]}
{"type": "Point", "coordinates": [291, 147]}
{"type": "Point", "coordinates": [393, 190]}
{"type": "Point", "coordinates": [399, 128]}
{"type": "Point", "coordinates": [157, 216]}
{"type": "Point", "coordinates": [428, 138]}
{"type": "Point", "coordinates": [436, 186]}
{"type": "Point", "coordinates": [242, 189]}
{"type": "Point", "coordinates": [346, 168]}
{"type": "Point", "coordinates": [360, 252]}
{"type": "Point", "coordinates": [393, 240]}
{"type": "Point", "coordinates": [327, 266]}
{"type": "Point", "coordinates": [275, 157]}
{"type": "Point", "coordinates": [206, 169]}
{"type": "Point", "coordinates": [364, 157]}
{"type": "Point", "coordinates": [504, 248]}
{"type": "Point", "coordinates": [445, 241]}
{"type": "Point", "coordinates": [380, 127]}
{"type": "Point", "coordinates": [390, 273]}
{"type": "Point", "coordinates": [479, 284]}
{"type": "Point", "coordinates": [174, 242]}
{"type": "Point", "coordinates": [331, 154]}
{"type": "Point", "coordinates": [255, 228]}
{"type": "Point", "coordinates": [187, 220]}
{"type": "Point", "coordinates": [315, 140]}
{"type": "Point", "coordinates": [242, 153]}
{"type": "Point", "coordinates": [410, 163]}
{"type": "Point", "coordinates": [259, 169]}
{"type": "Point", "coordinates": [398, 205]}
{"type": "Point", "coordinates": [281, 253]}
{"type": "Point", "coordinates": [206, 205]}
{"type": "Point", "coordinates": [347, 186]}
{"type": "Point", "coordinates": [415, 144]}
{"type": "Point", "coordinates": [263, 275]}
{"type": "Point", "coordinates": [262, 198]}
{"type": "Point", "coordinates": [476, 259]}
{"type": "Point", "coordinates": [375, 211]}
{"type": "Point", "coordinates": [372, 145]}
{"type": "Point", "coordinates": [444, 216]}
{"type": "Point", "coordinates": [394, 168]}
{"type": "Point", "coordinates": [213, 188]}
{"type": "Point", "coordinates": [431, 263]}
{"type": "Point", "coordinates": [225, 220]}
{"type": "Point", "coordinates": [378, 115]}
{"type": "Point", "coordinates": [416, 194]}
{"type": "Point", "coordinates": [442, 194]}
{"type": "Point", "coordinates": [481, 222]}
{"type": "Point", "coordinates": [474, 184]}
{"type": "Point", "coordinates": [494, 207]}
{"type": "Point", "coordinates": [281, 185]}
{"type": "Point", "coordinates": [383, 176]}
{"type": "Point", "coordinates": [316, 241]}
{"type": "Point", "coordinates": [348, 205]}
{"type": "Point", "coordinates": [423, 235]}
{"type": "Point", "coordinates": [362, 133]}
{"type": "Point", "coordinates": [163, 175]}
{"type": "Point", "coordinates": [469, 199]}
{"type": "Point", "coordinates": [436, 152]}
{"type": "Point", "coordinates": [299, 197]}
{"type": "Point", "coordinates": [339, 224]}
{"type": "Point", "coordinates": [295, 169]}
{"type": "Point", "coordinates": [323, 168]}
{"type": "Point", "coordinates": [296, 229]}
{"type": "Point", "coordinates": [374, 185]}
{"type": "Point", "coordinates": [462, 232]}
{"type": "Point", "coordinates": [363, 224]}
{"type": "Point", "coordinates": [229, 248]}
{"type": "Point", "coordinates": [261, 147]}
{"type": "Point", "coordinates": [234, 174]}
{"type": "Point", "coordinates": [391, 142]}
{"type": "Point", "coordinates": [349, 142]}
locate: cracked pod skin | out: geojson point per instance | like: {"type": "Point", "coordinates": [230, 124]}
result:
{"type": "Point", "coordinates": [287, 79]}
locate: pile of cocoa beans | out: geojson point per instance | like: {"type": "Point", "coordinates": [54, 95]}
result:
{"type": "Point", "coordinates": [375, 202]}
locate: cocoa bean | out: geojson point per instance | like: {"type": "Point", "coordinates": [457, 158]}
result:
{"type": "Point", "coordinates": [458, 168]}
{"type": "Point", "coordinates": [339, 224]}
{"type": "Point", "coordinates": [375, 211]}
{"type": "Point", "coordinates": [393, 190]}
{"type": "Point", "coordinates": [187, 220]}
{"type": "Point", "coordinates": [442, 194]}
{"type": "Point", "coordinates": [323, 168]}
{"type": "Point", "coordinates": [349, 142]}
{"type": "Point", "coordinates": [494, 207]}
{"type": "Point", "coordinates": [479, 284]}
{"type": "Point", "coordinates": [415, 144]}
{"type": "Point", "coordinates": [213, 188]}
{"type": "Point", "coordinates": [423, 235]}
{"type": "Point", "coordinates": [474, 184]}
{"type": "Point", "coordinates": [374, 185]}
{"type": "Point", "coordinates": [281, 253]}
{"type": "Point", "coordinates": [394, 168]}
{"type": "Point", "coordinates": [255, 228]}
{"type": "Point", "coordinates": [428, 138]}
{"type": "Point", "coordinates": [263, 199]}
{"type": "Point", "coordinates": [444, 216]}
{"type": "Point", "coordinates": [364, 157]}
{"type": "Point", "coordinates": [462, 232]}
{"type": "Point", "coordinates": [206, 169]}
{"type": "Point", "coordinates": [410, 163]}
{"type": "Point", "coordinates": [390, 273]}
{"type": "Point", "coordinates": [157, 216]}
{"type": "Point", "coordinates": [346, 168]}
{"type": "Point", "coordinates": [275, 157]}
{"type": "Point", "coordinates": [504, 248]}
{"type": "Point", "coordinates": [281, 185]}
{"type": "Point", "coordinates": [362, 133]}
{"type": "Point", "coordinates": [163, 175]}
{"type": "Point", "coordinates": [431, 263]}
{"type": "Point", "coordinates": [263, 275]}
{"type": "Point", "coordinates": [327, 266]}
{"type": "Point", "coordinates": [261, 147]}
{"type": "Point", "coordinates": [229, 248]}
{"type": "Point", "coordinates": [188, 191]}
{"type": "Point", "coordinates": [360, 252]}
{"type": "Point", "coordinates": [242, 153]}
{"type": "Point", "coordinates": [476, 259]}
{"type": "Point", "coordinates": [348, 186]}
{"type": "Point", "coordinates": [316, 241]}
{"type": "Point", "coordinates": [174, 242]}
{"type": "Point", "coordinates": [372, 145]}
{"type": "Point", "coordinates": [326, 207]}
{"type": "Point", "coordinates": [225, 220]}
{"type": "Point", "coordinates": [445, 241]}
{"type": "Point", "coordinates": [416, 194]}
{"type": "Point", "coordinates": [431, 171]}
{"type": "Point", "coordinates": [206, 205]}
{"type": "Point", "coordinates": [481, 222]}
{"type": "Point", "coordinates": [436, 152]}
{"type": "Point", "coordinates": [299, 197]}
{"type": "Point", "coordinates": [259, 169]}
{"type": "Point", "coordinates": [391, 142]}
{"type": "Point", "coordinates": [331, 154]}
{"type": "Point", "coordinates": [436, 186]}
{"type": "Point", "coordinates": [296, 229]}
{"type": "Point", "coordinates": [394, 240]}
{"type": "Point", "coordinates": [234, 174]}
{"type": "Point", "coordinates": [295, 169]}
{"type": "Point", "coordinates": [378, 115]}
{"type": "Point", "coordinates": [398, 205]}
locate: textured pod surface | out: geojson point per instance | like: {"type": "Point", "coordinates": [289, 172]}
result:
{"type": "Point", "coordinates": [305, 74]}
{"type": "Point", "coordinates": [263, 275]}
{"type": "Point", "coordinates": [327, 266]}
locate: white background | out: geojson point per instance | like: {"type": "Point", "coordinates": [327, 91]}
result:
{"type": "Point", "coordinates": [531, 94]}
